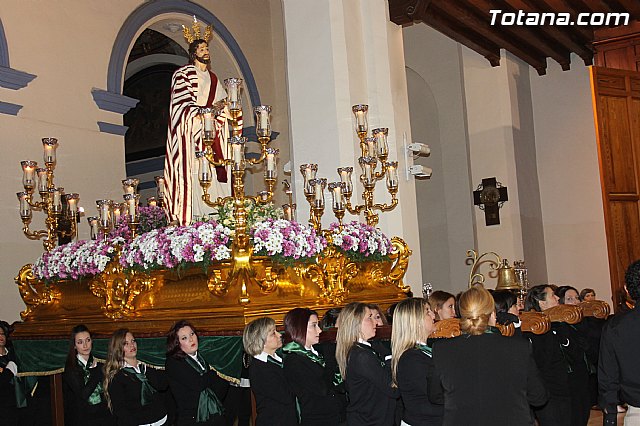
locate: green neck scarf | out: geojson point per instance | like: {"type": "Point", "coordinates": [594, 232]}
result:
{"type": "Point", "coordinates": [208, 404]}
{"type": "Point", "coordinates": [96, 396]}
{"type": "Point", "coordinates": [424, 349]}
{"type": "Point", "coordinates": [297, 348]}
{"type": "Point", "coordinates": [272, 360]}
{"type": "Point", "coordinates": [146, 391]}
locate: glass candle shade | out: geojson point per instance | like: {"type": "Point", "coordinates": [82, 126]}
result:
{"type": "Point", "coordinates": [49, 145]}
{"type": "Point", "coordinates": [318, 186]}
{"type": "Point", "coordinates": [204, 168]}
{"type": "Point", "coordinates": [360, 112]}
{"type": "Point", "coordinates": [104, 212]}
{"type": "Point", "coordinates": [72, 204]}
{"type": "Point", "coordinates": [345, 177]}
{"type": "Point", "coordinates": [28, 174]}
{"type": "Point", "coordinates": [152, 202]}
{"type": "Point", "coordinates": [263, 196]}
{"type": "Point", "coordinates": [270, 171]}
{"type": "Point", "coordinates": [130, 186]}
{"type": "Point", "coordinates": [159, 187]}
{"type": "Point", "coordinates": [286, 209]}
{"type": "Point", "coordinates": [25, 208]}
{"type": "Point", "coordinates": [208, 118]}
{"type": "Point", "coordinates": [131, 201]}
{"type": "Point", "coordinates": [263, 120]}
{"type": "Point", "coordinates": [56, 200]}
{"type": "Point", "coordinates": [372, 150]}
{"type": "Point", "coordinates": [368, 165]}
{"type": "Point", "coordinates": [116, 213]}
{"type": "Point", "coordinates": [43, 184]}
{"type": "Point", "coordinates": [380, 135]}
{"type": "Point", "coordinates": [308, 173]}
{"type": "Point", "coordinates": [237, 144]}
{"type": "Point", "coordinates": [392, 175]}
{"type": "Point", "coordinates": [234, 92]}
{"type": "Point", "coordinates": [94, 229]}
{"type": "Point", "coordinates": [336, 189]}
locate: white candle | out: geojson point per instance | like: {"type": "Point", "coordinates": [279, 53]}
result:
{"type": "Point", "coordinates": [205, 169]}
{"type": "Point", "coordinates": [371, 147]}
{"type": "Point", "coordinates": [128, 189]}
{"type": "Point", "coordinates": [318, 196]}
{"type": "Point", "coordinates": [392, 175]}
{"type": "Point", "coordinates": [93, 224]}
{"type": "Point", "coordinates": [160, 185]}
{"type": "Point", "coordinates": [237, 153]}
{"type": "Point", "coordinates": [105, 216]}
{"type": "Point", "coordinates": [367, 172]}
{"type": "Point", "coordinates": [208, 122]}
{"type": "Point", "coordinates": [42, 180]}
{"type": "Point", "coordinates": [360, 117]}
{"type": "Point", "coordinates": [151, 202]}
{"type": "Point", "coordinates": [287, 211]}
{"type": "Point", "coordinates": [233, 93]}
{"type": "Point", "coordinates": [28, 169]}
{"type": "Point", "coordinates": [25, 208]}
{"type": "Point", "coordinates": [337, 197]}
{"type": "Point", "coordinates": [49, 153]}
{"type": "Point", "coordinates": [131, 205]}
{"type": "Point", "coordinates": [116, 212]}
{"type": "Point", "coordinates": [308, 173]}
{"type": "Point", "coordinates": [72, 202]}
{"type": "Point", "coordinates": [271, 162]}
{"type": "Point", "coordinates": [57, 206]}
{"type": "Point", "coordinates": [264, 119]}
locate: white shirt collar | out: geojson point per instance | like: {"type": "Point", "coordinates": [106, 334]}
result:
{"type": "Point", "coordinates": [263, 357]}
{"type": "Point", "coordinates": [364, 342]}
{"type": "Point", "coordinates": [312, 349]}
{"type": "Point", "coordinates": [82, 360]}
{"type": "Point", "coordinates": [137, 367]}
{"type": "Point", "coordinates": [195, 358]}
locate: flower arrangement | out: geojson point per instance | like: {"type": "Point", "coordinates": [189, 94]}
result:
{"type": "Point", "coordinates": [360, 242]}
{"type": "Point", "coordinates": [255, 213]}
{"type": "Point", "coordinates": [177, 246]}
{"type": "Point", "coordinates": [150, 218]}
{"type": "Point", "coordinates": [286, 241]}
{"type": "Point", "coordinates": [76, 260]}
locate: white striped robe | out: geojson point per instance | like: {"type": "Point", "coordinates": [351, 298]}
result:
{"type": "Point", "coordinates": [184, 138]}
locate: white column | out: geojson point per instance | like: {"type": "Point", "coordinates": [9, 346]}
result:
{"type": "Point", "coordinates": [340, 54]}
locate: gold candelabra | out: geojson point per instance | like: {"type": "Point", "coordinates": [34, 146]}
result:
{"type": "Point", "coordinates": [374, 152]}
{"type": "Point", "coordinates": [51, 200]}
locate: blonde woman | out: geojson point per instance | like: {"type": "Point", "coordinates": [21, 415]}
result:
{"type": "Point", "coordinates": [275, 402]}
{"type": "Point", "coordinates": [488, 379]}
{"type": "Point", "coordinates": [412, 364]}
{"type": "Point", "coordinates": [372, 399]}
{"type": "Point", "coordinates": [131, 388]}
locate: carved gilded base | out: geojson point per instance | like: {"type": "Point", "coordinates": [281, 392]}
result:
{"type": "Point", "coordinates": [223, 298]}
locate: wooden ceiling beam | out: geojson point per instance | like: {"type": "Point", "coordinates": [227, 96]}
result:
{"type": "Point", "coordinates": [452, 29]}
{"type": "Point", "coordinates": [630, 6]}
{"type": "Point", "coordinates": [582, 34]}
{"type": "Point", "coordinates": [555, 33]}
{"type": "Point", "coordinates": [405, 12]}
{"type": "Point", "coordinates": [455, 10]}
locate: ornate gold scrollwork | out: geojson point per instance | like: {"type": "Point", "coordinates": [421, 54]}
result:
{"type": "Point", "coordinates": [215, 283]}
{"type": "Point", "coordinates": [34, 295]}
{"type": "Point", "coordinates": [335, 270]}
{"type": "Point", "coordinates": [119, 290]}
{"type": "Point", "coordinates": [270, 281]}
{"type": "Point", "coordinates": [400, 252]}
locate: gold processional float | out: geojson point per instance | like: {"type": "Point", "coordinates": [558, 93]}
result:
{"type": "Point", "coordinates": [60, 290]}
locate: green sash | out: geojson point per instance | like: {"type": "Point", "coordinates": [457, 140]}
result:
{"type": "Point", "coordinates": [208, 403]}
{"type": "Point", "coordinates": [146, 391]}
{"type": "Point", "coordinates": [424, 349]}
{"type": "Point", "coordinates": [96, 396]}
{"type": "Point", "coordinates": [274, 361]}
{"type": "Point", "coordinates": [297, 348]}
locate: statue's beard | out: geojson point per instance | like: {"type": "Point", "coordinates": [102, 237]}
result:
{"type": "Point", "coordinates": [203, 60]}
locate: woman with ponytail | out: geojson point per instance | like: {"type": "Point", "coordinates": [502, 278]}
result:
{"type": "Point", "coordinates": [311, 377]}
{"type": "Point", "coordinates": [412, 363]}
{"type": "Point", "coordinates": [487, 379]}
{"type": "Point", "coordinates": [85, 403]}
{"type": "Point", "coordinates": [130, 387]}
{"type": "Point", "coordinates": [372, 399]}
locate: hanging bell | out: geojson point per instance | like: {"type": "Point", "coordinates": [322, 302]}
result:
{"type": "Point", "coordinates": [507, 277]}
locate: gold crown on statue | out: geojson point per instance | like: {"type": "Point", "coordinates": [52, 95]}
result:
{"type": "Point", "coordinates": [194, 33]}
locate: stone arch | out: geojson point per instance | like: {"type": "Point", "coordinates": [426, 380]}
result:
{"type": "Point", "coordinates": [10, 78]}
{"type": "Point", "coordinates": [113, 100]}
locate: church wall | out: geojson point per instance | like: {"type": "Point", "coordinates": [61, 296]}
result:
{"type": "Point", "coordinates": [438, 119]}
{"type": "Point", "coordinates": [68, 44]}
{"type": "Point", "coordinates": [574, 231]}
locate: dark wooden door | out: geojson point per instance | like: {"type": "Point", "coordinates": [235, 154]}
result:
{"type": "Point", "coordinates": [616, 96]}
